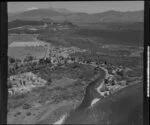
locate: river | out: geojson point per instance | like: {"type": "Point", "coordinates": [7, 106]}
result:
{"type": "Point", "coordinates": [91, 94]}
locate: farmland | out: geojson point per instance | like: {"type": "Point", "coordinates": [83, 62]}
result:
{"type": "Point", "coordinates": [22, 45]}
{"type": "Point", "coordinates": [21, 53]}
{"type": "Point", "coordinates": [62, 95]}
{"type": "Point", "coordinates": [20, 37]}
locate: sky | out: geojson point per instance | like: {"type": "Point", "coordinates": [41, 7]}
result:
{"type": "Point", "coordinates": [89, 7]}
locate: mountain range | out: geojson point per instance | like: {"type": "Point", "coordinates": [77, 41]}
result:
{"type": "Point", "coordinates": [63, 14]}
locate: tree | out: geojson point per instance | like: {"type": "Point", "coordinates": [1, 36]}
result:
{"type": "Point", "coordinates": [49, 81]}
{"type": "Point", "coordinates": [18, 60]}
{"type": "Point", "coordinates": [47, 60]}
{"type": "Point", "coordinates": [120, 73]}
{"type": "Point", "coordinates": [41, 61]}
{"type": "Point", "coordinates": [29, 58]}
{"type": "Point", "coordinates": [9, 84]}
{"type": "Point", "coordinates": [65, 61]}
{"type": "Point", "coordinates": [72, 58]}
{"type": "Point", "coordinates": [11, 60]}
{"type": "Point", "coordinates": [106, 81]}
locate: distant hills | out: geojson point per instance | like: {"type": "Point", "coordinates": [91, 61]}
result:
{"type": "Point", "coordinates": [63, 14]}
{"type": "Point", "coordinates": [20, 23]}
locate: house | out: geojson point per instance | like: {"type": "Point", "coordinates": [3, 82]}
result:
{"type": "Point", "coordinates": [25, 82]}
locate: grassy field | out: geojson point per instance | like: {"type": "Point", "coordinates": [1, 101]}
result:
{"type": "Point", "coordinates": [21, 37]}
{"type": "Point", "coordinates": [22, 52]}
{"type": "Point", "coordinates": [48, 103]}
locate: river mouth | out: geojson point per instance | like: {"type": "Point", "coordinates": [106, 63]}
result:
{"type": "Point", "coordinates": [90, 94]}
{"type": "Point", "coordinates": [114, 109]}
{"type": "Point", "coordinates": [94, 97]}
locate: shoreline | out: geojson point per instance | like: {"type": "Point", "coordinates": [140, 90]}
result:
{"type": "Point", "coordinates": [95, 100]}
{"type": "Point", "coordinates": [102, 83]}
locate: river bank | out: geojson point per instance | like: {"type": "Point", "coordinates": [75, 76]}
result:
{"type": "Point", "coordinates": [92, 95]}
{"type": "Point", "coordinates": [45, 105]}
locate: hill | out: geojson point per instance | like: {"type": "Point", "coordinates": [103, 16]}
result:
{"type": "Point", "coordinates": [78, 17]}
{"type": "Point", "coordinates": [117, 16]}
{"type": "Point", "coordinates": [18, 23]}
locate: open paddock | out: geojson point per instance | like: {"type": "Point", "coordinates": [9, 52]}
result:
{"type": "Point", "coordinates": [22, 52]}
{"type": "Point", "coordinates": [21, 37]}
{"type": "Point", "coordinates": [28, 44]}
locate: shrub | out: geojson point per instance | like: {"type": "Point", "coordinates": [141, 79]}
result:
{"type": "Point", "coordinates": [26, 106]}
{"type": "Point", "coordinates": [11, 60]}
{"type": "Point", "coordinates": [29, 58]}
{"type": "Point", "coordinates": [48, 83]}
{"type": "Point", "coordinates": [9, 84]}
{"type": "Point", "coordinates": [17, 113]}
{"type": "Point", "coordinates": [105, 94]}
{"type": "Point", "coordinates": [103, 89]}
{"type": "Point", "coordinates": [28, 113]}
{"type": "Point", "coordinates": [75, 66]}
{"type": "Point", "coordinates": [81, 76]}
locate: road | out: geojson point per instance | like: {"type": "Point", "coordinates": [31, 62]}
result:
{"type": "Point", "coordinates": [16, 28]}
